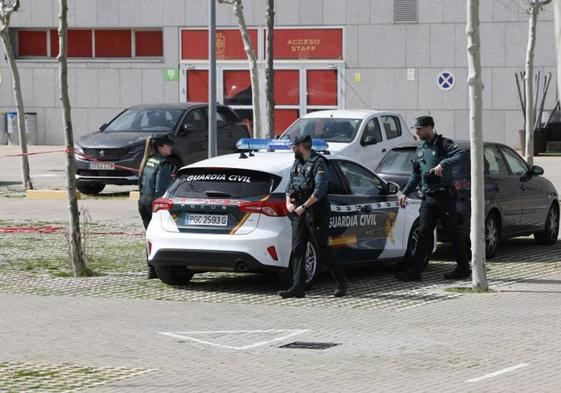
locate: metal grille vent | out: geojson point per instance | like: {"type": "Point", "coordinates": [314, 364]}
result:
{"type": "Point", "coordinates": [405, 11]}
{"type": "Point", "coordinates": [106, 154]}
{"type": "Point", "coordinates": [308, 345]}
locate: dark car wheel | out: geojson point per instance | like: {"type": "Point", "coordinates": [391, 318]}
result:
{"type": "Point", "coordinates": [174, 275]}
{"type": "Point", "coordinates": [411, 248]}
{"type": "Point", "coordinates": [551, 231]}
{"type": "Point", "coordinates": [492, 235]}
{"type": "Point", "coordinates": [90, 188]}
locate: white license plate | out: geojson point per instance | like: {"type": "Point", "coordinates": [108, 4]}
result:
{"type": "Point", "coordinates": [102, 165]}
{"type": "Point", "coordinates": [207, 220]}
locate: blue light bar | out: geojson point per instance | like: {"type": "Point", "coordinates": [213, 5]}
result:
{"type": "Point", "coordinates": [276, 144]}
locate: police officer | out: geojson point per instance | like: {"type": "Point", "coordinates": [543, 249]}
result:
{"type": "Point", "coordinates": [434, 160]}
{"type": "Point", "coordinates": [309, 208]}
{"type": "Point", "coordinates": [154, 178]}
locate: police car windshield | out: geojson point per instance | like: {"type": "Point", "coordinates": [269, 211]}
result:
{"type": "Point", "coordinates": [149, 120]}
{"type": "Point", "coordinates": [222, 183]}
{"type": "Point", "coordinates": [329, 129]}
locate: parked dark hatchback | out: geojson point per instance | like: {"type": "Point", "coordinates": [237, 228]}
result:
{"type": "Point", "coordinates": [518, 200]}
{"type": "Point", "coordinates": [111, 155]}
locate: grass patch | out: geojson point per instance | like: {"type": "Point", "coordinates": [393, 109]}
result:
{"type": "Point", "coordinates": [467, 290]}
{"type": "Point", "coordinates": [29, 373]}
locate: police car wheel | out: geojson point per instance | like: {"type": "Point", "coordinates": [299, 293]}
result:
{"type": "Point", "coordinates": [312, 265]}
{"type": "Point", "coordinates": [411, 247]}
{"type": "Point", "coordinates": [90, 188]}
{"type": "Point", "coordinates": [551, 231]}
{"type": "Point", "coordinates": [174, 275]}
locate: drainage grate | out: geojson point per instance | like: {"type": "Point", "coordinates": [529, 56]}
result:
{"type": "Point", "coordinates": [308, 345]}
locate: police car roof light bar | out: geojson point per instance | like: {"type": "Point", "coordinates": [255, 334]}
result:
{"type": "Point", "coordinates": [255, 144]}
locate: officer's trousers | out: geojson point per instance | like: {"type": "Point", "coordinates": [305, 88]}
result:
{"type": "Point", "coordinates": [145, 210]}
{"type": "Point", "coordinates": [304, 230]}
{"type": "Point", "coordinates": [439, 206]}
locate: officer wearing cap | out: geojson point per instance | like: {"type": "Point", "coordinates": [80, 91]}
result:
{"type": "Point", "coordinates": [309, 208]}
{"type": "Point", "coordinates": [154, 178]}
{"type": "Point", "coordinates": [435, 158]}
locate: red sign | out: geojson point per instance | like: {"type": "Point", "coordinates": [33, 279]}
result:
{"type": "Point", "coordinates": [308, 44]}
{"type": "Point", "coordinates": [229, 44]}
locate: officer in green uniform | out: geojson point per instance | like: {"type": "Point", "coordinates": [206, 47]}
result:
{"type": "Point", "coordinates": [434, 160]}
{"type": "Point", "coordinates": [155, 177]}
{"type": "Point", "coordinates": [309, 208]}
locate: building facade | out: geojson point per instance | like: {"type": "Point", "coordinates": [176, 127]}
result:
{"type": "Point", "coordinates": [402, 55]}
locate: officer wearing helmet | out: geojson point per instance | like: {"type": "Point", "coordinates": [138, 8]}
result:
{"type": "Point", "coordinates": [309, 208]}
{"type": "Point", "coordinates": [435, 158]}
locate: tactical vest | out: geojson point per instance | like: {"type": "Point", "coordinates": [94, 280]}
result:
{"type": "Point", "coordinates": [148, 181]}
{"type": "Point", "coordinates": [303, 177]}
{"type": "Point", "coordinates": [429, 156]}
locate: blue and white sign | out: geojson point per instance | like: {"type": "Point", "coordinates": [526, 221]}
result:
{"type": "Point", "coordinates": [445, 80]}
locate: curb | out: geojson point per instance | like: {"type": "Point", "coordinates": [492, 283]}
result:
{"type": "Point", "coordinates": [49, 194]}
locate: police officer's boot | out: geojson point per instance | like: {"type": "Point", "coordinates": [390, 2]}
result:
{"type": "Point", "coordinates": [341, 290]}
{"type": "Point", "coordinates": [292, 292]}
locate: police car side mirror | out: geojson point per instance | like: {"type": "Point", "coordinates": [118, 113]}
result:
{"type": "Point", "coordinates": [369, 140]}
{"type": "Point", "coordinates": [392, 188]}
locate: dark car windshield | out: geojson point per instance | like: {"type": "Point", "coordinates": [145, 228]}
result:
{"type": "Point", "coordinates": [329, 129]}
{"type": "Point", "coordinates": [222, 183]}
{"type": "Point", "coordinates": [145, 119]}
{"type": "Point", "coordinates": [398, 161]}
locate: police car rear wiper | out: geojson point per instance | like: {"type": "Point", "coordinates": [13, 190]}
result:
{"type": "Point", "coordinates": [217, 194]}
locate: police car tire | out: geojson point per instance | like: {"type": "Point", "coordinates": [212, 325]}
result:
{"type": "Point", "coordinates": [406, 263]}
{"type": "Point", "coordinates": [174, 275]}
{"type": "Point", "coordinates": [310, 281]}
{"type": "Point", "coordinates": [492, 222]}
{"type": "Point", "coordinates": [551, 232]}
{"type": "Point", "coordinates": [90, 188]}
{"type": "Point", "coordinates": [285, 279]}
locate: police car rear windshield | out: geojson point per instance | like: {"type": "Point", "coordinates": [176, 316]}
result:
{"type": "Point", "coordinates": [149, 120]}
{"type": "Point", "coordinates": [222, 183]}
{"type": "Point", "coordinates": [329, 129]}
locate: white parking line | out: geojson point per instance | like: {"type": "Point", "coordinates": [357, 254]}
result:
{"type": "Point", "coordinates": [497, 373]}
{"type": "Point", "coordinates": [188, 336]}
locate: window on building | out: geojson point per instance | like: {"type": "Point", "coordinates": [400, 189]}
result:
{"type": "Point", "coordinates": [113, 43]}
{"type": "Point", "coordinates": [149, 43]}
{"type": "Point", "coordinates": [32, 43]}
{"type": "Point", "coordinates": [405, 11]}
{"type": "Point", "coordinates": [89, 44]}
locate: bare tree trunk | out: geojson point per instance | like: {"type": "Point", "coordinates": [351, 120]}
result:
{"type": "Point", "coordinates": [76, 251]}
{"type": "Point", "coordinates": [253, 71]}
{"type": "Point", "coordinates": [534, 10]}
{"type": "Point", "coordinates": [269, 70]}
{"type": "Point", "coordinates": [16, 88]}
{"type": "Point", "coordinates": [557, 14]}
{"type": "Point", "coordinates": [477, 234]}
{"type": "Point", "coordinates": [529, 82]}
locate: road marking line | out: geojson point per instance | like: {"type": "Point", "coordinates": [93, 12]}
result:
{"type": "Point", "coordinates": [183, 336]}
{"type": "Point", "coordinates": [497, 373]}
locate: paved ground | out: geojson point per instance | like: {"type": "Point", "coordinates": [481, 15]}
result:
{"type": "Point", "coordinates": [225, 333]}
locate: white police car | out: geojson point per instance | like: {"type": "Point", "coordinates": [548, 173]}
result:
{"type": "Point", "coordinates": [228, 214]}
{"type": "Point", "coordinates": [363, 134]}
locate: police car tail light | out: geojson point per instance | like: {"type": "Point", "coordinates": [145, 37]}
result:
{"type": "Point", "coordinates": [271, 208]}
{"type": "Point", "coordinates": [161, 204]}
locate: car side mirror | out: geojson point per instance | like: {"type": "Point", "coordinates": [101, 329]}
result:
{"type": "Point", "coordinates": [537, 170]}
{"type": "Point", "coordinates": [392, 188]}
{"type": "Point", "coordinates": [369, 140]}
{"type": "Point", "coordinates": [103, 127]}
{"type": "Point", "coordinates": [187, 128]}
